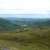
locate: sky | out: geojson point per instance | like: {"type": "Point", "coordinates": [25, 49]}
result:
{"type": "Point", "coordinates": [28, 8]}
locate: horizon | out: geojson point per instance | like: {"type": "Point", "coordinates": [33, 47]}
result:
{"type": "Point", "coordinates": [24, 15]}
{"type": "Point", "coordinates": [41, 8]}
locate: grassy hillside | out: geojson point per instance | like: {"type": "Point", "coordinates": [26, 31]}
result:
{"type": "Point", "coordinates": [35, 38]}
{"type": "Point", "coordinates": [6, 25]}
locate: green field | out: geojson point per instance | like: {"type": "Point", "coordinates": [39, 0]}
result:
{"type": "Point", "coordinates": [32, 39]}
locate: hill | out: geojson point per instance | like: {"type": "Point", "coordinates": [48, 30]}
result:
{"type": "Point", "coordinates": [9, 24]}
{"type": "Point", "coordinates": [6, 25]}
{"type": "Point", "coordinates": [32, 39]}
{"type": "Point", "coordinates": [29, 21]}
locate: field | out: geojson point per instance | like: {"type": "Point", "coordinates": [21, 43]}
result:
{"type": "Point", "coordinates": [32, 39]}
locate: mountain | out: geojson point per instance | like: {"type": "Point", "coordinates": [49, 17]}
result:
{"type": "Point", "coordinates": [6, 25]}
{"type": "Point", "coordinates": [29, 21]}
{"type": "Point", "coordinates": [22, 21]}
{"type": "Point", "coordinates": [43, 22]}
{"type": "Point", "coordinates": [11, 24]}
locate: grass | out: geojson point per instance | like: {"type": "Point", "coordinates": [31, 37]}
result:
{"type": "Point", "coordinates": [33, 39]}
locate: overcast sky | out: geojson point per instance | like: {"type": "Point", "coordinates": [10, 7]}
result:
{"type": "Point", "coordinates": [25, 7]}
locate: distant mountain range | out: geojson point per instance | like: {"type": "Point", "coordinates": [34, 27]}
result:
{"type": "Point", "coordinates": [6, 25]}
{"type": "Point", "coordinates": [12, 23]}
{"type": "Point", "coordinates": [30, 21]}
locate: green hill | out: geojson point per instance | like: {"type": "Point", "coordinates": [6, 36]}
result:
{"type": "Point", "coordinates": [6, 25]}
{"type": "Point", "coordinates": [33, 39]}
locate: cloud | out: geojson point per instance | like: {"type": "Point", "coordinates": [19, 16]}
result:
{"type": "Point", "coordinates": [23, 11]}
{"type": "Point", "coordinates": [24, 4]}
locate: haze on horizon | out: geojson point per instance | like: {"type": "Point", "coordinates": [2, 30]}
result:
{"type": "Point", "coordinates": [25, 8]}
